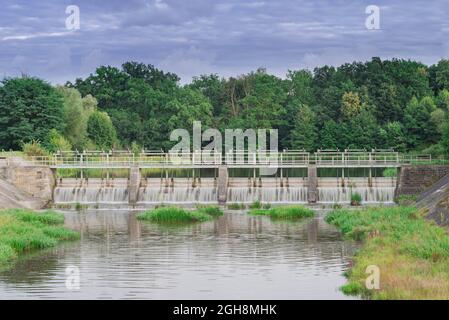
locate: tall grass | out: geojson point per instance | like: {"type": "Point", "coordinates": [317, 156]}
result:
{"type": "Point", "coordinates": [411, 252]}
{"type": "Point", "coordinates": [236, 206]}
{"type": "Point", "coordinates": [23, 230]}
{"type": "Point", "coordinates": [292, 212]}
{"type": "Point", "coordinates": [174, 215]}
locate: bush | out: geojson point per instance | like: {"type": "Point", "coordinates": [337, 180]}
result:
{"type": "Point", "coordinates": [34, 148]}
{"type": "Point", "coordinates": [57, 142]}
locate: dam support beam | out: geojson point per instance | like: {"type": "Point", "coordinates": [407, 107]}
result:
{"type": "Point", "coordinates": [312, 181]}
{"type": "Point", "coordinates": [134, 184]}
{"type": "Point", "coordinates": [222, 184]}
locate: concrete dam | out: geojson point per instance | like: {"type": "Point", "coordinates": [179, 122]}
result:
{"type": "Point", "coordinates": [113, 179]}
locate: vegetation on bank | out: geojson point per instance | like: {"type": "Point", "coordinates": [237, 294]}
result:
{"type": "Point", "coordinates": [180, 215]}
{"type": "Point", "coordinates": [24, 230]}
{"type": "Point", "coordinates": [411, 253]}
{"type": "Point", "coordinates": [292, 212]}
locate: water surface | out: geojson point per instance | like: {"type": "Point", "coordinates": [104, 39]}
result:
{"type": "Point", "coordinates": [236, 256]}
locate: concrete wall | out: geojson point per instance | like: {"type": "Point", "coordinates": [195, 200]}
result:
{"type": "Point", "coordinates": [413, 180]}
{"type": "Point", "coordinates": [37, 181]}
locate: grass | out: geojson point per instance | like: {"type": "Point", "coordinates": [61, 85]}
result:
{"type": "Point", "coordinates": [24, 230]}
{"type": "Point", "coordinates": [236, 206]}
{"type": "Point", "coordinates": [406, 200]}
{"type": "Point", "coordinates": [213, 211]}
{"type": "Point", "coordinates": [180, 215]}
{"type": "Point", "coordinates": [292, 212]}
{"type": "Point", "coordinates": [411, 253]}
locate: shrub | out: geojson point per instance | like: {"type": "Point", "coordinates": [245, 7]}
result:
{"type": "Point", "coordinates": [390, 172]}
{"type": "Point", "coordinates": [34, 148]}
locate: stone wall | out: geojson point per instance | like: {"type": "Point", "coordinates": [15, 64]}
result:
{"type": "Point", "coordinates": [415, 179]}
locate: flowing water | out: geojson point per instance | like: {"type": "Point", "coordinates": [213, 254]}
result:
{"type": "Point", "coordinates": [236, 256]}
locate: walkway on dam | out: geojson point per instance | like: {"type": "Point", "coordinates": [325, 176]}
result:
{"type": "Point", "coordinates": [233, 159]}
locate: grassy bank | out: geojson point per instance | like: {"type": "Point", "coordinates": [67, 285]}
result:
{"type": "Point", "coordinates": [23, 230]}
{"type": "Point", "coordinates": [180, 215]}
{"type": "Point", "coordinates": [293, 212]}
{"type": "Point", "coordinates": [412, 253]}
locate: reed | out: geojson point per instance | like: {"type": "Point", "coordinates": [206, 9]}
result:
{"type": "Point", "coordinates": [211, 210]}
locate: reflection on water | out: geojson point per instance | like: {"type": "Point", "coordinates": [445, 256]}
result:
{"type": "Point", "coordinates": [234, 257]}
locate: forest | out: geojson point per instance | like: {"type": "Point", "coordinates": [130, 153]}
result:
{"type": "Point", "coordinates": [399, 104]}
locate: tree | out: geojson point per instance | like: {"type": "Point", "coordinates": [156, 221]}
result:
{"type": "Point", "coordinates": [350, 105]}
{"type": "Point", "coordinates": [57, 142]}
{"type": "Point", "coordinates": [101, 131]}
{"type": "Point", "coordinates": [303, 134]}
{"type": "Point", "coordinates": [76, 113]}
{"type": "Point", "coordinates": [29, 109]}
{"type": "Point", "coordinates": [417, 122]}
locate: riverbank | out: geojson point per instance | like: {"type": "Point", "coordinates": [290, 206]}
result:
{"type": "Point", "coordinates": [23, 230]}
{"type": "Point", "coordinates": [412, 253]}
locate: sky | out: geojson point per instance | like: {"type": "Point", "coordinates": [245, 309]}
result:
{"type": "Point", "coordinates": [226, 37]}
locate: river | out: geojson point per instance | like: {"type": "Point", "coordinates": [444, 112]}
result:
{"type": "Point", "coordinates": [237, 256]}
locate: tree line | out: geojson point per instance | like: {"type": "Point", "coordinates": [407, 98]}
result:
{"type": "Point", "coordinates": [400, 104]}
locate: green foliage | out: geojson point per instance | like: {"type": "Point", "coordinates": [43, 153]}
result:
{"type": "Point", "coordinates": [57, 142]}
{"type": "Point", "coordinates": [292, 212]}
{"type": "Point", "coordinates": [76, 114]}
{"type": "Point", "coordinates": [396, 103]}
{"type": "Point", "coordinates": [23, 230]}
{"type": "Point", "coordinates": [29, 109]}
{"type": "Point", "coordinates": [173, 215]}
{"type": "Point", "coordinates": [100, 130]}
{"type": "Point", "coordinates": [390, 172]}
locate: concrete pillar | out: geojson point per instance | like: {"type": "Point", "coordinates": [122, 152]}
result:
{"type": "Point", "coordinates": [222, 182]}
{"type": "Point", "coordinates": [134, 184]}
{"type": "Point", "coordinates": [312, 181]}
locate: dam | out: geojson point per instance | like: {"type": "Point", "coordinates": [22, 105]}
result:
{"type": "Point", "coordinates": [150, 178]}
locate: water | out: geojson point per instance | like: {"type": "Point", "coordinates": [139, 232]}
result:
{"type": "Point", "coordinates": [234, 257]}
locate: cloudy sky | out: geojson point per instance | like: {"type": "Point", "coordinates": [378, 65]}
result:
{"type": "Point", "coordinates": [227, 37]}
